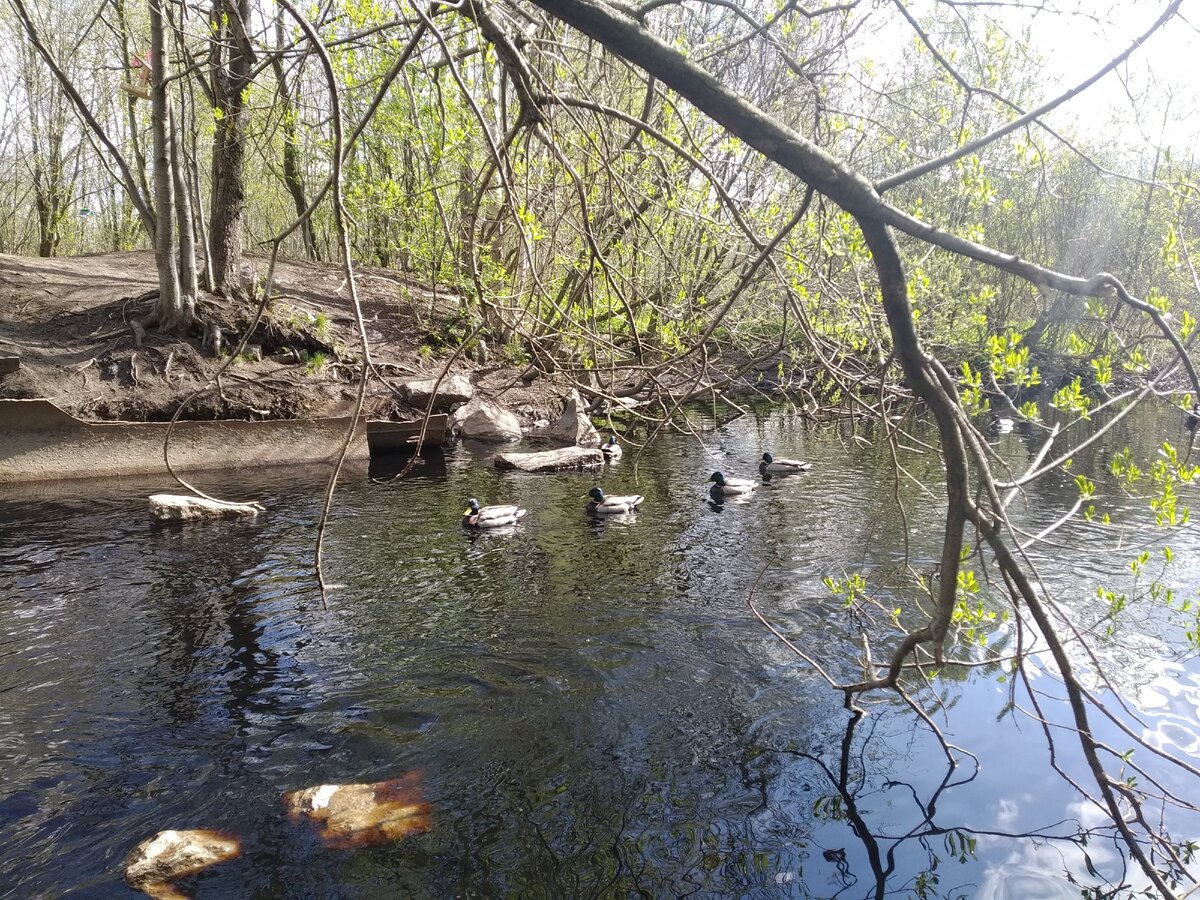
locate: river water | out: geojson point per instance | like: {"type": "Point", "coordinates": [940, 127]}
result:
{"type": "Point", "coordinates": [590, 706]}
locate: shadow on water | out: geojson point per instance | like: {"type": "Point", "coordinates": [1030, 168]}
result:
{"type": "Point", "coordinates": [592, 708]}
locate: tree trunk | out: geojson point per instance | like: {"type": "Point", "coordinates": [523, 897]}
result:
{"type": "Point", "coordinates": [45, 137]}
{"type": "Point", "coordinates": [135, 141]}
{"type": "Point", "coordinates": [183, 209]}
{"type": "Point", "coordinates": [170, 312]}
{"type": "Point", "coordinates": [232, 58]}
{"type": "Point", "coordinates": [291, 153]}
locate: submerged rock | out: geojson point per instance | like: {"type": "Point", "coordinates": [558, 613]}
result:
{"type": "Point", "coordinates": [453, 390]}
{"type": "Point", "coordinates": [573, 426]}
{"type": "Point", "coordinates": [181, 507]}
{"type": "Point", "coordinates": [552, 460]}
{"type": "Point", "coordinates": [362, 815]}
{"type": "Point", "coordinates": [484, 420]}
{"type": "Point", "coordinates": [157, 862]}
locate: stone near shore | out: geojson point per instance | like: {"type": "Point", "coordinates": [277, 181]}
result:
{"type": "Point", "coordinates": [453, 390]}
{"type": "Point", "coordinates": [157, 862]}
{"type": "Point", "coordinates": [573, 426]}
{"type": "Point", "coordinates": [362, 815]}
{"type": "Point", "coordinates": [552, 460]}
{"type": "Point", "coordinates": [185, 508]}
{"type": "Point", "coordinates": [484, 420]}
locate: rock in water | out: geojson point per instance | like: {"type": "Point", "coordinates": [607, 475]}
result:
{"type": "Point", "coordinates": [573, 426]}
{"type": "Point", "coordinates": [484, 420]}
{"type": "Point", "coordinates": [180, 507]}
{"type": "Point", "coordinates": [453, 390]}
{"type": "Point", "coordinates": [551, 460]}
{"type": "Point", "coordinates": [362, 815]}
{"type": "Point", "coordinates": [159, 861]}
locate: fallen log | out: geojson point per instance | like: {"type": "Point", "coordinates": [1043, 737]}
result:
{"type": "Point", "coordinates": [181, 508]}
{"type": "Point", "coordinates": [552, 460]}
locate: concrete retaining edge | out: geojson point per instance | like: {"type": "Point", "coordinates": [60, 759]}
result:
{"type": "Point", "coordinates": [39, 441]}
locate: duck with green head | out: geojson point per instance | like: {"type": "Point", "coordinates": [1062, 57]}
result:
{"type": "Point", "coordinates": [777, 465]}
{"type": "Point", "coordinates": [601, 504]}
{"type": "Point", "coordinates": [476, 516]}
{"type": "Point", "coordinates": [612, 450]}
{"type": "Point", "coordinates": [723, 487]}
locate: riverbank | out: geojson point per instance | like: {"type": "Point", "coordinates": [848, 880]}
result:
{"type": "Point", "coordinates": [68, 321]}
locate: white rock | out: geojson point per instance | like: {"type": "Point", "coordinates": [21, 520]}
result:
{"type": "Point", "coordinates": [156, 862]}
{"type": "Point", "coordinates": [573, 426]}
{"type": "Point", "coordinates": [453, 389]}
{"type": "Point", "coordinates": [551, 460]}
{"type": "Point", "coordinates": [484, 420]}
{"type": "Point", "coordinates": [181, 507]}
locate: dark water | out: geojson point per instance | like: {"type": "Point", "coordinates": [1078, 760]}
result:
{"type": "Point", "coordinates": [591, 706]}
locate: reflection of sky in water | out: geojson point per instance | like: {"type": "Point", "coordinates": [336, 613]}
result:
{"type": "Point", "coordinates": [1172, 700]}
{"type": "Point", "coordinates": [1033, 871]}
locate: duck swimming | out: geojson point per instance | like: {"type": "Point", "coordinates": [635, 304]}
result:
{"type": "Point", "coordinates": [475, 516]}
{"type": "Point", "coordinates": [777, 465]}
{"type": "Point", "coordinates": [601, 504]}
{"type": "Point", "coordinates": [611, 450]}
{"type": "Point", "coordinates": [730, 487]}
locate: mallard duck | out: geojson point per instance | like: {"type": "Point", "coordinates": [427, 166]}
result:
{"type": "Point", "coordinates": [730, 487]}
{"type": "Point", "coordinates": [603, 505]}
{"type": "Point", "coordinates": [611, 450]}
{"type": "Point", "coordinates": [475, 516]}
{"type": "Point", "coordinates": [780, 466]}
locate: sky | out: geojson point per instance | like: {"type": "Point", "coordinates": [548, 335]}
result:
{"type": "Point", "coordinates": [1077, 37]}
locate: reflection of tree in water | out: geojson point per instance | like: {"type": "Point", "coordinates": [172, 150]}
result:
{"type": "Point", "coordinates": [912, 859]}
{"type": "Point", "coordinates": [212, 665]}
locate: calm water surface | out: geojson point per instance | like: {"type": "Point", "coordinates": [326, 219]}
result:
{"type": "Point", "coordinates": [591, 706]}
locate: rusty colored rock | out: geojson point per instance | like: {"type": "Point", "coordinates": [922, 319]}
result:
{"type": "Point", "coordinates": [362, 815]}
{"type": "Point", "coordinates": [157, 862]}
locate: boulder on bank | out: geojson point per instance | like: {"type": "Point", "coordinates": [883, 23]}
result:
{"type": "Point", "coordinates": [574, 426]}
{"type": "Point", "coordinates": [552, 460]}
{"type": "Point", "coordinates": [362, 815]}
{"type": "Point", "coordinates": [184, 508]}
{"type": "Point", "coordinates": [157, 862]}
{"type": "Point", "coordinates": [484, 420]}
{"type": "Point", "coordinates": [453, 390]}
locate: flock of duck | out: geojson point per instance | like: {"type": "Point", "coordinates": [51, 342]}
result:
{"type": "Point", "coordinates": [602, 504]}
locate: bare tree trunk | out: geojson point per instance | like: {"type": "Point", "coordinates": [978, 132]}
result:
{"type": "Point", "coordinates": [139, 157]}
{"type": "Point", "coordinates": [183, 209]}
{"type": "Point", "coordinates": [232, 58]}
{"type": "Point", "coordinates": [46, 127]}
{"type": "Point", "coordinates": [291, 153]}
{"type": "Point", "coordinates": [200, 224]}
{"type": "Point", "coordinates": [170, 312]}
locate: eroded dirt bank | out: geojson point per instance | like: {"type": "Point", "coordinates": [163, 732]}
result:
{"type": "Point", "coordinates": [68, 320]}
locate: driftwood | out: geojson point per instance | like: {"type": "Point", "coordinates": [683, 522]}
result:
{"type": "Point", "coordinates": [552, 460]}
